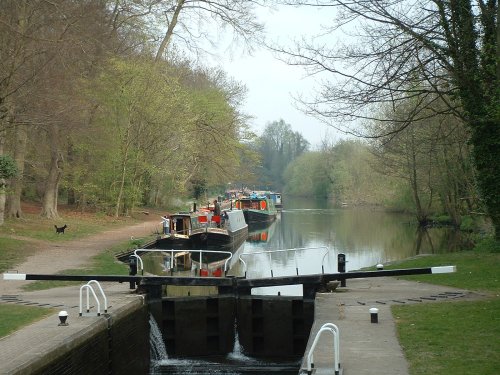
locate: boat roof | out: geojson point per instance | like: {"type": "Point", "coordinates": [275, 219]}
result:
{"type": "Point", "coordinates": [254, 196]}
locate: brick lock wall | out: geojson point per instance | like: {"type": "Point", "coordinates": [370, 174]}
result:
{"type": "Point", "coordinates": [115, 344]}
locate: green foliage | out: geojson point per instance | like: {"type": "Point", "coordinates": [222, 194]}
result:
{"type": "Point", "coordinates": [486, 140]}
{"type": "Point", "coordinates": [488, 245]}
{"type": "Point", "coordinates": [306, 176]}
{"type": "Point", "coordinates": [198, 188]}
{"type": "Point", "coordinates": [467, 224]}
{"type": "Point", "coordinates": [342, 172]}
{"type": "Point", "coordinates": [158, 128]}
{"type": "Point", "coordinates": [278, 146]}
{"type": "Point", "coordinates": [8, 167]}
{"type": "Point", "coordinates": [401, 199]}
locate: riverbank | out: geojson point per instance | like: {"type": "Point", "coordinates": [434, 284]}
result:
{"type": "Point", "coordinates": [459, 337]}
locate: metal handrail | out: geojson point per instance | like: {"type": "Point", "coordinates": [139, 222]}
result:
{"type": "Point", "coordinates": [283, 250]}
{"type": "Point", "coordinates": [177, 251]}
{"type": "Point", "coordinates": [102, 293]}
{"type": "Point", "coordinates": [89, 287]}
{"type": "Point", "coordinates": [334, 330]}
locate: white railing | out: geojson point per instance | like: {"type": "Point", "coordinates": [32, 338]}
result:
{"type": "Point", "coordinates": [294, 250]}
{"type": "Point", "coordinates": [171, 251]}
{"type": "Point", "coordinates": [88, 288]}
{"type": "Point", "coordinates": [139, 261]}
{"type": "Point", "coordinates": [334, 330]}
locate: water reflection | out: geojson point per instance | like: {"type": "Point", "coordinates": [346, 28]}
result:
{"type": "Point", "coordinates": [366, 236]}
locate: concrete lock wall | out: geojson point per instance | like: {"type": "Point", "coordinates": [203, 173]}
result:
{"type": "Point", "coordinates": [267, 326]}
{"type": "Point", "coordinates": [117, 343]}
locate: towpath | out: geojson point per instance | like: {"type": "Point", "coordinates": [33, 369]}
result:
{"type": "Point", "coordinates": [368, 348]}
{"type": "Point", "coordinates": [50, 258]}
{"type": "Point", "coordinates": [26, 349]}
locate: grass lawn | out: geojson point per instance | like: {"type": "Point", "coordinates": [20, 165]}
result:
{"type": "Point", "coordinates": [16, 316]}
{"type": "Point", "coordinates": [454, 338]}
{"type": "Point", "coordinates": [451, 338]}
{"type": "Point", "coordinates": [13, 252]}
{"type": "Point", "coordinates": [79, 226]}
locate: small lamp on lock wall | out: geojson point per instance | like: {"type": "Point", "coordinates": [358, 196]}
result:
{"type": "Point", "coordinates": [63, 316]}
{"type": "Point", "coordinates": [374, 315]}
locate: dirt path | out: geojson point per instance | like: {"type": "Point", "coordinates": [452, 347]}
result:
{"type": "Point", "coordinates": [50, 258]}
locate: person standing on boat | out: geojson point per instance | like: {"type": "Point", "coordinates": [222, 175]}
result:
{"type": "Point", "coordinates": [216, 207]}
{"type": "Point", "coordinates": [217, 212]}
{"type": "Point", "coordinates": [166, 224]}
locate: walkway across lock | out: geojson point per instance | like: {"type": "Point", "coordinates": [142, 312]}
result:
{"type": "Point", "coordinates": [236, 285]}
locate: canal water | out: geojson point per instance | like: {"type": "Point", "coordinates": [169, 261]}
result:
{"type": "Point", "coordinates": [313, 233]}
{"type": "Point", "coordinates": [308, 235]}
{"type": "Point", "coordinates": [366, 236]}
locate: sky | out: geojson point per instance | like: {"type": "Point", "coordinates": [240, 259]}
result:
{"type": "Point", "coordinates": [272, 83]}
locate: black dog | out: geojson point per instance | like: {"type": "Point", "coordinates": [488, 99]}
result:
{"type": "Point", "coordinates": [61, 229]}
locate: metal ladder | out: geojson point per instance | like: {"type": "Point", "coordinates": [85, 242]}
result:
{"type": "Point", "coordinates": [334, 330]}
{"type": "Point", "coordinates": [88, 287]}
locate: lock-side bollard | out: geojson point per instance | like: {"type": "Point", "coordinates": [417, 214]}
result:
{"type": "Point", "coordinates": [341, 267]}
{"type": "Point", "coordinates": [132, 262]}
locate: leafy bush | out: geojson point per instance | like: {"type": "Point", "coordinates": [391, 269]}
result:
{"type": "Point", "coordinates": [488, 245]}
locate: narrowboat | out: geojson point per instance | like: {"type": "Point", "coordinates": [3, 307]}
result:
{"type": "Point", "coordinates": [257, 209]}
{"type": "Point", "coordinates": [218, 232]}
{"type": "Point", "coordinates": [176, 231]}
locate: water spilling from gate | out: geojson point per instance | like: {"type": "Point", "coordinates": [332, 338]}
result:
{"type": "Point", "coordinates": [234, 363]}
{"type": "Point", "coordinates": [157, 349]}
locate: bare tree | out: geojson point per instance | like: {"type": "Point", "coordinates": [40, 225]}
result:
{"type": "Point", "coordinates": [426, 51]}
{"type": "Point", "coordinates": [185, 18]}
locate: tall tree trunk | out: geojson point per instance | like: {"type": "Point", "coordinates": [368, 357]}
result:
{"type": "Point", "coordinates": [5, 118]}
{"type": "Point", "coordinates": [411, 165]}
{"type": "Point", "coordinates": [126, 146]}
{"type": "Point", "coordinates": [486, 151]}
{"type": "Point", "coordinates": [49, 203]}
{"type": "Point", "coordinates": [14, 199]}
{"type": "Point", "coordinates": [70, 176]}
{"type": "Point", "coordinates": [2, 180]}
{"type": "Point", "coordinates": [122, 187]}
{"type": "Point", "coordinates": [170, 30]}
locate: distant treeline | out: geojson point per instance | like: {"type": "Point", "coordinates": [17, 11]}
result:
{"type": "Point", "coordinates": [425, 169]}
